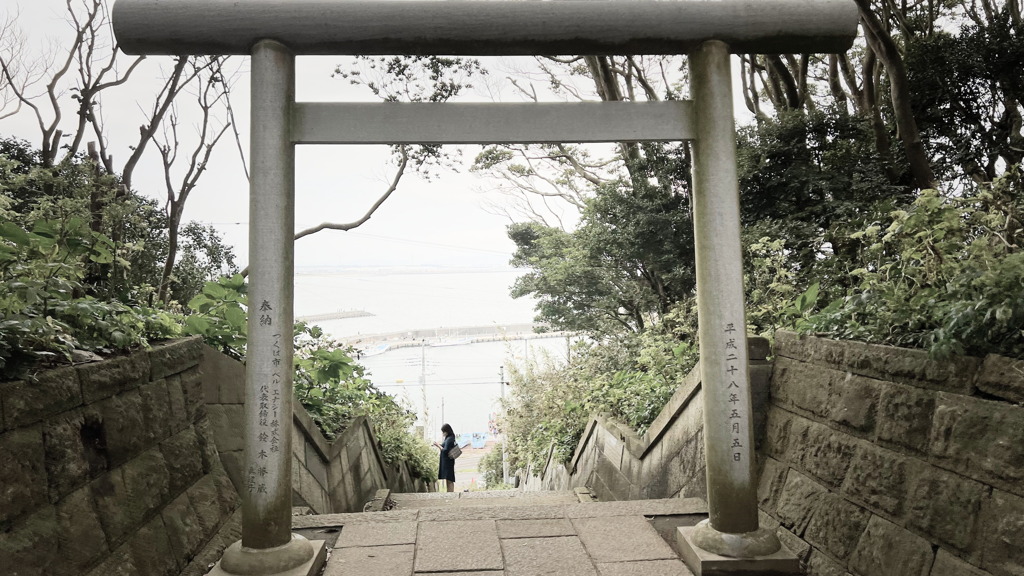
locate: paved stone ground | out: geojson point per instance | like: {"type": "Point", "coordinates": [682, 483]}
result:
{"type": "Point", "coordinates": [419, 501]}
{"type": "Point", "coordinates": [504, 534]}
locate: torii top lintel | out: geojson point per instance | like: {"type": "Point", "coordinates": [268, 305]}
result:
{"type": "Point", "coordinates": [484, 27]}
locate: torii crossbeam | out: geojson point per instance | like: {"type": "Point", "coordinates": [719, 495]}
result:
{"type": "Point", "coordinates": [273, 32]}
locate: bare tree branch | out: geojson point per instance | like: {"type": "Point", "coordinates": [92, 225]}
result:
{"type": "Point", "coordinates": [234, 129]}
{"type": "Point", "coordinates": [174, 84]}
{"type": "Point", "coordinates": [211, 93]}
{"type": "Point", "coordinates": [403, 162]}
{"type": "Point", "coordinates": [13, 81]}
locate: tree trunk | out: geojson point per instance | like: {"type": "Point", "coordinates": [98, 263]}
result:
{"type": "Point", "coordinates": [883, 45]}
{"type": "Point", "coordinates": [869, 110]}
{"type": "Point", "coordinates": [608, 88]}
{"type": "Point", "coordinates": [785, 78]}
{"type": "Point", "coordinates": [173, 223]}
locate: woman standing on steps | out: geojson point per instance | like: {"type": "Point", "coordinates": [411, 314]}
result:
{"type": "Point", "coordinates": [446, 468]}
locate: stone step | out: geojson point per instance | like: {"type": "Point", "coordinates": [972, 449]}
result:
{"type": "Point", "coordinates": [407, 501]}
{"type": "Point", "coordinates": [694, 507]}
{"type": "Point", "coordinates": [506, 536]}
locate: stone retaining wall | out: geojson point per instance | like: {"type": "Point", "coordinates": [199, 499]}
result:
{"type": "Point", "coordinates": [667, 461]}
{"type": "Point", "coordinates": [110, 468]}
{"type": "Point", "coordinates": [881, 462]}
{"type": "Point", "coordinates": [328, 477]}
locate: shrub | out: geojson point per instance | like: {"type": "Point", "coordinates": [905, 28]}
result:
{"type": "Point", "coordinates": [946, 275]}
{"type": "Point", "coordinates": [46, 314]}
{"type": "Point", "coordinates": [491, 467]}
{"type": "Point", "coordinates": [629, 379]}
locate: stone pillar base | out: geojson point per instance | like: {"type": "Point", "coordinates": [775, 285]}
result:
{"type": "Point", "coordinates": [300, 557]}
{"type": "Point", "coordinates": [782, 562]}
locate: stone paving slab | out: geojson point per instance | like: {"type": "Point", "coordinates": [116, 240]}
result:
{"type": "Point", "coordinates": [490, 513]}
{"type": "Point", "coordinates": [492, 494]}
{"type": "Point", "coordinates": [329, 520]}
{"type": "Point", "coordinates": [562, 556]}
{"type": "Point", "coordinates": [382, 534]}
{"type": "Point", "coordinates": [476, 534]}
{"type": "Point", "coordinates": [413, 496]}
{"type": "Point", "coordinates": [603, 539]}
{"type": "Point", "coordinates": [466, 501]}
{"type": "Point", "coordinates": [458, 546]}
{"type": "Point", "coordinates": [662, 507]}
{"type": "Point", "coordinates": [521, 501]}
{"type": "Point", "coordinates": [511, 496]}
{"type": "Point", "coordinates": [401, 504]}
{"type": "Point", "coordinates": [473, 573]}
{"type": "Point", "coordinates": [649, 568]}
{"type": "Point", "coordinates": [539, 528]}
{"type": "Point", "coordinates": [372, 561]}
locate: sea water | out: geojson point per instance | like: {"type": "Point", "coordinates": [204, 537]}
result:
{"type": "Point", "coordinates": [440, 379]}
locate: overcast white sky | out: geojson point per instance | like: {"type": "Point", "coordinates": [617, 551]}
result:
{"type": "Point", "coordinates": [439, 223]}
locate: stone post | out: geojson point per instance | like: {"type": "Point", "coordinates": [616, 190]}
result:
{"type": "Point", "coordinates": [731, 530]}
{"type": "Point", "coordinates": [268, 545]}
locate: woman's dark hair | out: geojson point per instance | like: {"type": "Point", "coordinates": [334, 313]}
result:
{"type": "Point", "coordinates": [447, 430]}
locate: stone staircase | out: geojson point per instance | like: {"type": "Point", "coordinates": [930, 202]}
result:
{"type": "Point", "coordinates": [504, 533]}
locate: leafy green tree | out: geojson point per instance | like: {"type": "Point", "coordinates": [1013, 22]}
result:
{"type": "Point", "coordinates": [135, 227]}
{"type": "Point", "coordinates": [624, 267]}
{"type": "Point", "coordinates": [969, 95]}
{"type": "Point", "coordinates": [492, 467]}
{"type": "Point", "coordinates": [202, 257]}
{"type": "Point", "coordinates": [807, 191]}
{"type": "Point", "coordinates": [46, 311]}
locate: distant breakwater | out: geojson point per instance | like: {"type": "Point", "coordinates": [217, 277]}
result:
{"type": "Point", "coordinates": [339, 315]}
{"type": "Point", "coordinates": [453, 336]}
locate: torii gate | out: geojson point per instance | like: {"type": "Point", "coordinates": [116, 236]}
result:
{"type": "Point", "coordinates": [273, 32]}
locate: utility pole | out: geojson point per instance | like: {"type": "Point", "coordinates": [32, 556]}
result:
{"type": "Point", "coordinates": [504, 443]}
{"type": "Point", "coordinates": [423, 388]}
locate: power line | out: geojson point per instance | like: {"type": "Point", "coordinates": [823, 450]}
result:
{"type": "Point", "coordinates": [433, 383]}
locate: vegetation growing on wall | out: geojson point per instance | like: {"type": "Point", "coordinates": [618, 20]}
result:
{"type": "Point", "coordinates": [629, 380]}
{"type": "Point", "coordinates": [946, 275]}
{"type": "Point", "coordinates": [65, 284]}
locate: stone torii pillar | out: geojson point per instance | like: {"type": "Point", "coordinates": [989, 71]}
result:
{"type": "Point", "coordinates": [273, 32]}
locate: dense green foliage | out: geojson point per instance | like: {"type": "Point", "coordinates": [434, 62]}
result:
{"type": "Point", "coordinates": [79, 257]}
{"type": "Point", "coordinates": [968, 90]}
{"type": "Point", "coordinates": [491, 467]}
{"type": "Point", "coordinates": [335, 389]}
{"type": "Point", "coordinates": [946, 275]}
{"type": "Point", "coordinates": [49, 253]}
